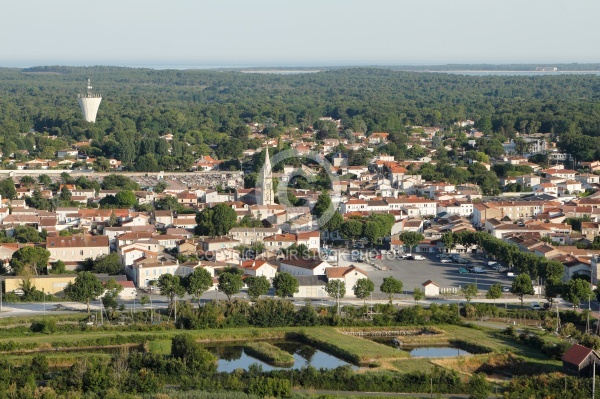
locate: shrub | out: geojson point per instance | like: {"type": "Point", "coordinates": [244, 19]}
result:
{"type": "Point", "coordinates": [46, 326]}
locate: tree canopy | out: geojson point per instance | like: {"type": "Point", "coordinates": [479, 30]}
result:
{"type": "Point", "coordinates": [197, 283]}
{"type": "Point", "coordinates": [285, 285]}
{"type": "Point", "coordinates": [230, 281]}
{"type": "Point", "coordinates": [85, 288]}
{"type": "Point", "coordinates": [391, 286]}
{"type": "Point", "coordinates": [216, 221]}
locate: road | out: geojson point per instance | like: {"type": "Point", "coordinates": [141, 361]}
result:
{"type": "Point", "coordinates": [412, 273]}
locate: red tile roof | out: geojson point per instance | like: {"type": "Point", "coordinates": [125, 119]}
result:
{"type": "Point", "coordinates": [576, 354]}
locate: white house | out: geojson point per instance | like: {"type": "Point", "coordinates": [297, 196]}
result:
{"type": "Point", "coordinates": [303, 267]}
{"type": "Point", "coordinates": [431, 289]}
{"type": "Point", "coordinates": [258, 268]}
{"type": "Point", "coordinates": [349, 275]}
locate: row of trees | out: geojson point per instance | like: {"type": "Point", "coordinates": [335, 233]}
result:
{"type": "Point", "coordinates": [373, 227]}
{"type": "Point", "coordinates": [528, 265]}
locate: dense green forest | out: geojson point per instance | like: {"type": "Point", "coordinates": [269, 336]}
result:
{"type": "Point", "coordinates": [206, 110]}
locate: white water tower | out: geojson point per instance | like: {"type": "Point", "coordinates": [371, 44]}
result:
{"type": "Point", "coordinates": [89, 103]}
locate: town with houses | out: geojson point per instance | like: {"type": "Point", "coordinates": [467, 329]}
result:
{"type": "Point", "coordinates": [151, 242]}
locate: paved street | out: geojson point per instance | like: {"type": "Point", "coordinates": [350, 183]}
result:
{"type": "Point", "coordinates": [412, 273]}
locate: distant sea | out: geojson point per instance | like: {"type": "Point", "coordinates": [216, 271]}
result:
{"type": "Point", "coordinates": [517, 73]}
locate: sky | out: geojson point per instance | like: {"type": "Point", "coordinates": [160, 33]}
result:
{"type": "Point", "coordinates": [205, 33]}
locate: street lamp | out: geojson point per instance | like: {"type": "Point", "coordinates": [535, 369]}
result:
{"type": "Point", "coordinates": [338, 298]}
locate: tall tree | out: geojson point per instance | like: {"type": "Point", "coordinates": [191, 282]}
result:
{"type": "Point", "coordinates": [522, 286]}
{"type": "Point", "coordinates": [44, 180]}
{"type": "Point", "coordinates": [257, 286]}
{"type": "Point", "coordinates": [216, 221]}
{"type": "Point", "coordinates": [448, 240]}
{"type": "Point", "coordinates": [363, 288]}
{"type": "Point", "coordinates": [410, 239]}
{"type": "Point", "coordinates": [334, 224]}
{"type": "Point", "coordinates": [109, 299]}
{"type": "Point", "coordinates": [323, 205]}
{"type": "Point", "coordinates": [352, 229]}
{"type": "Point", "coordinates": [494, 292]}
{"type": "Point", "coordinates": [285, 285]}
{"type": "Point", "coordinates": [230, 281]}
{"type": "Point", "coordinates": [577, 290]}
{"type": "Point", "coordinates": [109, 264]}
{"type": "Point", "coordinates": [85, 288]}
{"type": "Point", "coordinates": [125, 199]}
{"type": "Point", "coordinates": [170, 286]}
{"type": "Point", "coordinates": [197, 283]}
{"type": "Point", "coordinates": [391, 286]}
{"type": "Point", "coordinates": [336, 289]}
{"type": "Point", "coordinates": [469, 291]}
{"type": "Point", "coordinates": [7, 189]}
{"type": "Point", "coordinates": [30, 257]}
{"type": "Point", "coordinates": [373, 232]}
{"type": "Point", "coordinates": [418, 294]}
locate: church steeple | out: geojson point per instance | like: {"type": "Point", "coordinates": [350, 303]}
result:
{"type": "Point", "coordinates": [267, 197]}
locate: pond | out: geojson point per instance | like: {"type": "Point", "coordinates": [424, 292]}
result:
{"type": "Point", "coordinates": [431, 351]}
{"type": "Point", "coordinates": [233, 357]}
{"type": "Point", "coordinates": [437, 351]}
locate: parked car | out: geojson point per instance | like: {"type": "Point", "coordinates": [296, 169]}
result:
{"type": "Point", "coordinates": [492, 263]}
{"type": "Point", "coordinates": [446, 260]}
{"type": "Point", "coordinates": [462, 261]}
{"type": "Point", "coordinates": [409, 257]}
{"type": "Point", "coordinates": [359, 245]}
{"type": "Point", "coordinates": [462, 270]}
{"type": "Point", "coordinates": [536, 306]}
{"type": "Point", "coordinates": [505, 289]}
{"type": "Point", "coordinates": [402, 256]}
{"type": "Point", "coordinates": [479, 270]}
{"type": "Point", "coordinates": [418, 257]}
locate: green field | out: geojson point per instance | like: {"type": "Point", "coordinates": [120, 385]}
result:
{"type": "Point", "coordinates": [63, 348]}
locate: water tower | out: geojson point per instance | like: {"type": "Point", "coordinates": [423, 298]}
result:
{"type": "Point", "coordinates": [89, 103]}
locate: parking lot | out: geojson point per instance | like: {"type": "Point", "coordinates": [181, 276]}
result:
{"type": "Point", "coordinates": [415, 272]}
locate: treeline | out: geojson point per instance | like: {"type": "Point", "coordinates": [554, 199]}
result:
{"type": "Point", "coordinates": [206, 111]}
{"type": "Point", "coordinates": [509, 254]}
{"type": "Point", "coordinates": [498, 67]}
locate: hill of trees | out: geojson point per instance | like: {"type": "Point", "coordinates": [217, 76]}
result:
{"type": "Point", "coordinates": [206, 110]}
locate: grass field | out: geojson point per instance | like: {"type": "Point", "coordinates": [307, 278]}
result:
{"type": "Point", "coordinates": [355, 349]}
{"type": "Point", "coordinates": [503, 353]}
{"type": "Point", "coordinates": [269, 353]}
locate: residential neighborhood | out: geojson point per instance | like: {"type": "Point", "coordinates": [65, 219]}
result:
{"type": "Point", "coordinates": [154, 223]}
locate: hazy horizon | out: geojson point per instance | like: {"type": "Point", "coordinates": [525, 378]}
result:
{"type": "Point", "coordinates": [191, 65]}
{"type": "Point", "coordinates": [262, 33]}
